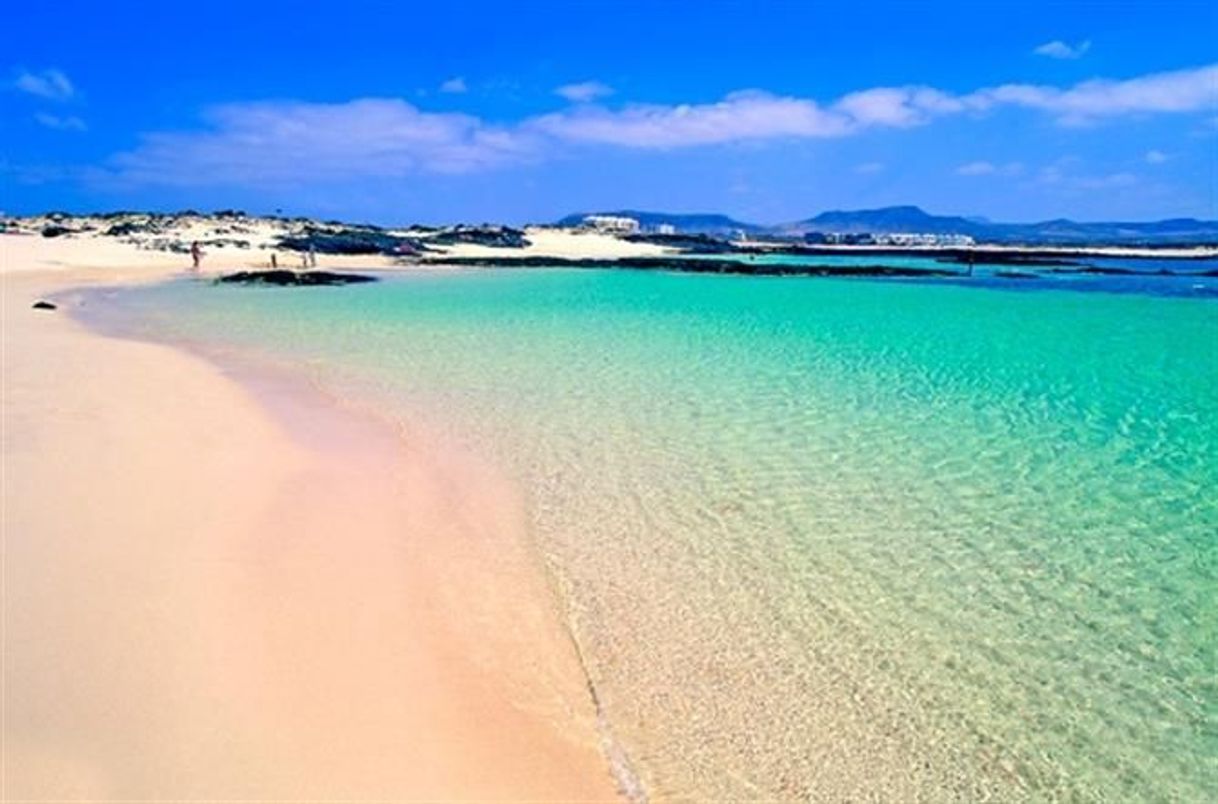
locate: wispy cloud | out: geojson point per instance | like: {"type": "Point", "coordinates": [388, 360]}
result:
{"type": "Point", "coordinates": [754, 115]}
{"type": "Point", "coordinates": [247, 143]}
{"type": "Point", "coordinates": [1063, 175]}
{"type": "Point", "coordinates": [1156, 157]}
{"type": "Point", "coordinates": [1057, 49]}
{"type": "Point", "coordinates": [1170, 92]}
{"type": "Point", "coordinates": [47, 84]}
{"type": "Point", "coordinates": [66, 123]}
{"type": "Point", "coordinates": [740, 116]}
{"type": "Point", "coordinates": [584, 92]}
{"type": "Point", "coordinates": [897, 107]}
{"type": "Point", "coordinates": [299, 143]}
{"type": "Point", "coordinates": [454, 86]}
{"type": "Point", "coordinates": [984, 168]}
{"type": "Point", "coordinates": [869, 168]}
{"type": "Point", "coordinates": [976, 169]}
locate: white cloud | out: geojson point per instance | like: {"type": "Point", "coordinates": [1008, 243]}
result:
{"type": "Point", "coordinates": [1058, 49]}
{"type": "Point", "coordinates": [897, 107]}
{"type": "Point", "coordinates": [870, 168]}
{"type": "Point", "coordinates": [755, 115]}
{"type": "Point", "coordinates": [1156, 157]}
{"type": "Point", "coordinates": [68, 123]}
{"type": "Point", "coordinates": [48, 84]}
{"type": "Point", "coordinates": [1178, 91]}
{"type": "Point", "coordinates": [738, 117]}
{"type": "Point", "coordinates": [302, 142]}
{"type": "Point", "coordinates": [454, 86]}
{"type": "Point", "coordinates": [584, 92]}
{"type": "Point", "coordinates": [295, 143]}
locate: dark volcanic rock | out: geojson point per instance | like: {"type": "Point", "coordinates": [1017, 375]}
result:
{"type": "Point", "coordinates": [127, 228]}
{"type": "Point", "coordinates": [1001, 258]}
{"type": "Point", "coordinates": [55, 231]}
{"type": "Point", "coordinates": [690, 244]}
{"type": "Point", "coordinates": [494, 236]}
{"type": "Point", "coordinates": [1109, 271]}
{"type": "Point", "coordinates": [351, 241]}
{"type": "Point", "coordinates": [44, 305]}
{"type": "Point", "coordinates": [1014, 275]}
{"type": "Point", "coordinates": [294, 278]}
{"type": "Point", "coordinates": [705, 266]}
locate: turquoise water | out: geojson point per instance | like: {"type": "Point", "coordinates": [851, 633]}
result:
{"type": "Point", "coordinates": [827, 538]}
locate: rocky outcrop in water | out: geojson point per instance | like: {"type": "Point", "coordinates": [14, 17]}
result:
{"type": "Point", "coordinates": [44, 305]}
{"type": "Point", "coordinates": [1028, 260]}
{"type": "Point", "coordinates": [710, 266]}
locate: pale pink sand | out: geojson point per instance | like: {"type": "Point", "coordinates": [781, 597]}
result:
{"type": "Point", "coordinates": [215, 595]}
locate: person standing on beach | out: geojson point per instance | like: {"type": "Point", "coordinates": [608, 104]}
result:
{"type": "Point", "coordinates": [312, 257]}
{"type": "Point", "coordinates": [196, 254]}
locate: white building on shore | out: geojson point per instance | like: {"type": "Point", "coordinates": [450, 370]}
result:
{"type": "Point", "coordinates": [614, 224]}
{"type": "Point", "coordinates": [900, 239]}
{"type": "Point", "coordinates": [914, 239]}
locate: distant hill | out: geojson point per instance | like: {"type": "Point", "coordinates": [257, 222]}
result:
{"type": "Point", "coordinates": [911, 219]}
{"type": "Point", "coordinates": [883, 221]}
{"type": "Point", "coordinates": [1062, 231]}
{"type": "Point", "coordinates": [685, 223]}
{"type": "Point", "coordinates": [1176, 230]}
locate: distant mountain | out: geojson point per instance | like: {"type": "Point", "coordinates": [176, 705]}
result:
{"type": "Point", "coordinates": [911, 219]}
{"type": "Point", "coordinates": [889, 220]}
{"type": "Point", "coordinates": [1176, 230]}
{"type": "Point", "coordinates": [685, 223]}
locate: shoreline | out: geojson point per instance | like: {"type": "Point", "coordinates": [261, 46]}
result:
{"type": "Point", "coordinates": [282, 645]}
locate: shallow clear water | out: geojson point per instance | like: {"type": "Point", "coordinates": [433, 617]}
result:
{"type": "Point", "coordinates": [828, 538]}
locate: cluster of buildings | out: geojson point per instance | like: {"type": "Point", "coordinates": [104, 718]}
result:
{"type": "Point", "coordinates": [617, 224]}
{"type": "Point", "coordinates": [627, 225]}
{"type": "Point", "coordinates": [888, 239]}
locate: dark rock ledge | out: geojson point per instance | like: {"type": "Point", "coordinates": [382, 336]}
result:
{"type": "Point", "coordinates": [706, 266]}
{"type": "Point", "coordinates": [284, 278]}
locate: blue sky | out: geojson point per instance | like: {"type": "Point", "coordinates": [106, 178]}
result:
{"type": "Point", "coordinates": [771, 112]}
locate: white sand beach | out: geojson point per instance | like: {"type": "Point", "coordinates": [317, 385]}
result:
{"type": "Point", "coordinates": [222, 590]}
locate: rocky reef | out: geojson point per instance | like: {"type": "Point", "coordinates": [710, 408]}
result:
{"type": "Point", "coordinates": [284, 278]}
{"type": "Point", "coordinates": [707, 266]}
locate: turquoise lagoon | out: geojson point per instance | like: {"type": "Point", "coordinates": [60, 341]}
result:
{"type": "Point", "coordinates": [825, 538]}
